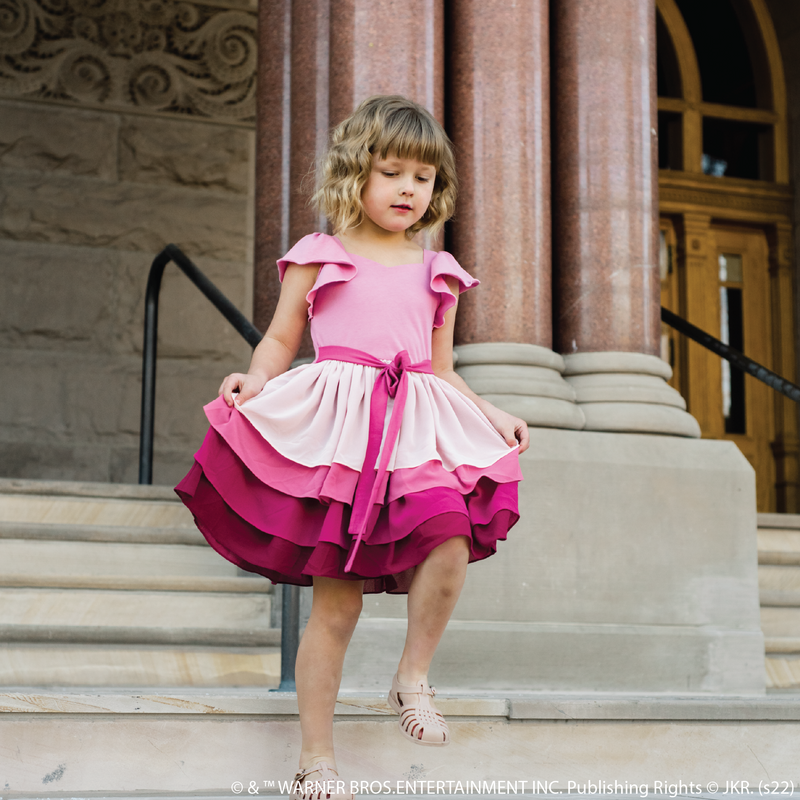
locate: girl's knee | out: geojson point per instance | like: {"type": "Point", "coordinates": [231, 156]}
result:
{"type": "Point", "coordinates": [339, 602]}
{"type": "Point", "coordinates": [452, 553]}
{"type": "Point", "coordinates": [450, 558]}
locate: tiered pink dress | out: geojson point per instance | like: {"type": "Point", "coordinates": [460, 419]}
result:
{"type": "Point", "coordinates": [355, 466]}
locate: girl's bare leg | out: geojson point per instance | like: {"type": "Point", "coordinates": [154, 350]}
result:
{"type": "Point", "coordinates": [432, 597]}
{"type": "Point", "coordinates": [318, 672]}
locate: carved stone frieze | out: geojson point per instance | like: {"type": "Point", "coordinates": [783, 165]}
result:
{"type": "Point", "coordinates": [164, 56]}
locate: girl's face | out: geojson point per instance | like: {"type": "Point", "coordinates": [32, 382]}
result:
{"type": "Point", "coordinates": [397, 192]}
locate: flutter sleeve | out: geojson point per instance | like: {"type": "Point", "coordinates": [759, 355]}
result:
{"type": "Point", "coordinates": [444, 265]}
{"type": "Point", "coordinates": [319, 248]}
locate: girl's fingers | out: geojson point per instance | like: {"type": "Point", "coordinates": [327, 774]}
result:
{"type": "Point", "coordinates": [523, 436]}
{"type": "Point", "coordinates": [228, 385]}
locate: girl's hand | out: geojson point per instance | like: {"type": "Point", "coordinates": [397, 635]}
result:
{"type": "Point", "coordinates": [512, 429]}
{"type": "Point", "coordinates": [247, 385]}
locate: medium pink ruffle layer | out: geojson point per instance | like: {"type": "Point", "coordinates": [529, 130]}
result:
{"type": "Point", "coordinates": [289, 539]}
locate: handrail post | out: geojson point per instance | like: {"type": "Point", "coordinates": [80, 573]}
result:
{"type": "Point", "coordinates": [290, 636]}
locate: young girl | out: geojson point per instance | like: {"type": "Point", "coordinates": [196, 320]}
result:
{"type": "Point", "coordinates": [375, 468]}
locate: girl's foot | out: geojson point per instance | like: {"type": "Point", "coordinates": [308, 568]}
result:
{"type": "Point", "coordinates": [420, 720]}
{"type": "Point", "coordinates": [320, 781]}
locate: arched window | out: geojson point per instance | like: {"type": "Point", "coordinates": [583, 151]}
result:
{"type": "Point", "coordinates": [726, 226]}
{"type": "Point", "coordinates": [721, 108]}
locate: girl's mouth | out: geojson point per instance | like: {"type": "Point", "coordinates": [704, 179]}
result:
{"type": "Point", "coordinates": [402, 207]}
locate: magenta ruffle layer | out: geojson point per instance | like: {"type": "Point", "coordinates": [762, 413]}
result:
{"type": "Point", "coordinates": [289, 539]}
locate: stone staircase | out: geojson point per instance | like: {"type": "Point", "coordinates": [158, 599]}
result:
{"type": "Point", "coordinates": [105, 585]}
{"type": "Point", "coordinates": [136, 664]}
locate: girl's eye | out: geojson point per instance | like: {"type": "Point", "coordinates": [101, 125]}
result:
{"type": "Point", "coordinates": [390, 174]}
{"type": "Point", "coordinates": [422, 178]}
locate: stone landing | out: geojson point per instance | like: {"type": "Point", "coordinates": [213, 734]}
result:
{"type": "Point", "coordinates": [195, 743]}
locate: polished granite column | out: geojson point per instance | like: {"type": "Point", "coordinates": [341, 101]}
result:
{"type": "Point", "coordinates": [498, 116]}
{"type": "Point", "coordinates": [605, 172]}
{"type": "Point", "coordinates": [386, 48]}
{"type": "Point", "coordinates": [272, 149]}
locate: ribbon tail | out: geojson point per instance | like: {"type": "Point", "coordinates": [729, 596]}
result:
{"type": "Point", "coordinates": [353, 551]}
{"type": "Point", "coordinates": [361, 521]}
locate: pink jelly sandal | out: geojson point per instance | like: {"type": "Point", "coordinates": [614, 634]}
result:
{"type": "Point", "coordinates": [421, 721]}
{"type": "Point", "coordinates": [316, 789]}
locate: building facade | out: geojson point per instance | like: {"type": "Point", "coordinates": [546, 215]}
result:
{"type": "Point", "coordinates": [615, 155]}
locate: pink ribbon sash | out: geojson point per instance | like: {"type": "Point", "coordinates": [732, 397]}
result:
{"type": "Point", "coordinates": [392, 381]}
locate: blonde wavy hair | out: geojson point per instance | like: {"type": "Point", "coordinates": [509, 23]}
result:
{"type": "Point", "coordinates": [384, 125]}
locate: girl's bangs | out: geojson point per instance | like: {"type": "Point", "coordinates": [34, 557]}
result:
{"type": "Point", "coordinates": [407, 135]}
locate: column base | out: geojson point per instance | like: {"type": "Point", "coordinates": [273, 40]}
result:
{"type": "Point", "coordinates": [628, 392]}
{"type": "Point", "coordinates": [522, 379]}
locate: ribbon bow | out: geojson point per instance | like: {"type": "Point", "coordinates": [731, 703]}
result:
{"type": "Point", "coordinates": [391, 381]}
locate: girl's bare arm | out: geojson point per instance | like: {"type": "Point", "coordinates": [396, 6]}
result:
{"type": "Point", "coordinates": [511, 428]}
{"type": "Point", "coordinates": [280, 344]}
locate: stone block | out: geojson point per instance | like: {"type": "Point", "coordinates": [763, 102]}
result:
{"type": "Point", "coordinates": [57, 297]}
{"type": "Point", "coordinates": [187, 153]}
{"type": "Point", "coordinates": [126, 216]}
{"type": "Point", "coordinates": [476, 656]}
{"type": "Point", "coordinates": [84, 423]}
{"type": "Point", "coordinates": [52, 139]}
{"type": "Point", "coordinates": [639, 534]}
{"type": "Point", "coordinates": [32, 397]}
{"type": "Point", "coordinates": [62, 297]}
{"type": "Point", "coordinates": [52, 461]}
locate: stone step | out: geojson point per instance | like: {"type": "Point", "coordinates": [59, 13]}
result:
{"type": "Point", "coordinates": [779, 585]}
{"type": "Point", "coordinates": [125, 534]}
{"type": "Point", "coordinates": [781, 627]}
{"type": "Point", "coordinates": [48, 614]}
{"type": "Point", "coordinates": [198, 743]}
{"type": "Point", "coordinates": [32, 665]}
{"type": "Point", "coordinates": [778, 547]}
{"type": "Point", "coordinates": [91, 504]}
{"type": "Point", "coordinates": [119, 491]}
{"type": "Point", "coordinates": [19, 556]}
{"type": "Point", "coordinates": [92, 511]}
{"type": "Point", "coordinates": [140, 583]}
{"type": "Point", "coordinates": [779, 539]}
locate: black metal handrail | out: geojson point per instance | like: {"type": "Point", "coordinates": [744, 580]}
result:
{"type": "Point", "coordinates": [239, 321]}
{"type": "Point", "coordinates": [739, 360]}
{"type": "Point", "coordinates": [290, 623]}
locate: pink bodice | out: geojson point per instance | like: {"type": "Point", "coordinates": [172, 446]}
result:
{"type": "Point", "coordinates": [361, 304]}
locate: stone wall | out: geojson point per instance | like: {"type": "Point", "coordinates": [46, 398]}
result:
{"type": "Point", "coordinates": [91, 188]}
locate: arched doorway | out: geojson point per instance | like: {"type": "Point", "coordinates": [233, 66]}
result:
{"type": "Point", "coordinates": [726, 205]}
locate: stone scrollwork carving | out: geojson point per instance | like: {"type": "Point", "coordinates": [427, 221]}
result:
{"type": "Point", "coordinates": [157, 55]}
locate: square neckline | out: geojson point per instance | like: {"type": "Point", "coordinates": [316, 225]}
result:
{"type": "Point", "coordinates": [378, 263]}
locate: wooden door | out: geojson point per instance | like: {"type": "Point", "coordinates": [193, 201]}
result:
{"type": "Point", "coordinates": [744, 403]}
{"type": "Point", "coordinates": [723, 287]}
